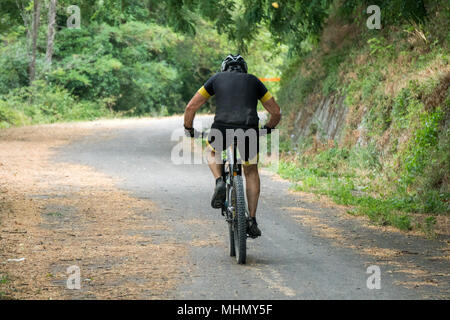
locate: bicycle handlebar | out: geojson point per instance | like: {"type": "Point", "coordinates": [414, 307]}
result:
{"type": "Point", "coordinates": [204, 133]}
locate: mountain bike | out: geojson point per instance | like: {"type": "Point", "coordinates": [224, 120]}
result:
{"type": "Point", "coordinates": [234, 208]}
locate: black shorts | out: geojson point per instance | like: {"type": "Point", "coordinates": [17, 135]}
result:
{"type": "Point", "coordinates": [221, 136]}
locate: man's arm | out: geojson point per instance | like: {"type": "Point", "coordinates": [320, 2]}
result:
{"type": "Point", "coordinates": [274, 110]}
{"type": "Point", "coordinates": [189, 113]}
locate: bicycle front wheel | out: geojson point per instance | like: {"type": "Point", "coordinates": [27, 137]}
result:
{"type": "Point", "coordinates": [239, 220]}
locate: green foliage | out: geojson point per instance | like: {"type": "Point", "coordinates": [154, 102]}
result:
{"type": "Point", "coordinates": [129, 55]}
{"type": "Point", "coordinates": [331, 63]}
{"type": "Point", "coordinates": [11, 117]}
{"type": "Point", "coordinates": [41, 103]}
{"type": "Point", "coordinates": [402, 165]}
{"type": "Point", "coordinates": [4, 279]}
{"type": "Point", "coordinates": [121, 64]}
{"type": "Point", "coordinates": [294, 23]}
{"type": "Point", "coordinates": [367, 157]}
{"type": "Point", "coordinates": [379, 46]}
{"type": "Point", "coordinates": [13, 66]}
{"type": "Point", "coordinates": [361, 177]}
{"type": "Point", "coordinates": [424, 139]}
{"type": "Point", "coordinates": [9, 14]}
{"type": "Point", "coordinates": [383, 211]}
{"type": "Point", "coordinates": [392, 11]}
{"type": "Point", "coordinates": [134, 68]}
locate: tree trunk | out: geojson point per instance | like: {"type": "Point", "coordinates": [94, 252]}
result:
{"type": "Point", "coordinates": [51, 32]}
{"type": "Point", "coordinates": [34, 35]}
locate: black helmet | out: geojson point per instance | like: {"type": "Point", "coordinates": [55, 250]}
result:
{"type": "Point", "coordinates": [234, 62]}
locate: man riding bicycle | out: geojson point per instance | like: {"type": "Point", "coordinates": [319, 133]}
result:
{"type": "Point", "coordinates": [237, 94]}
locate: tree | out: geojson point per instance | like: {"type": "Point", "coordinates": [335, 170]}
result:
{"type": "Point", "coordinates": [34, 35]}
{"type": "Point", "coordinates": [290, 21]}
{"type": "Point", "coordinates": [51, 32]}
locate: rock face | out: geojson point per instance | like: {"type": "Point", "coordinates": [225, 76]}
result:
{"type": "Point", "coordinates": [326, 120]}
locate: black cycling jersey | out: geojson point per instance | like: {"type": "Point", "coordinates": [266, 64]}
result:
{"type": "Point", "coordinates": [237, 96]}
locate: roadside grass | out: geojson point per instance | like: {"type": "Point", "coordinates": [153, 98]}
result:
{"type": "Point", "coordinates": [4, 280]}
{"type": "Point", "coordinates": [362, 190]}
{"type": "Point", "coordinates": [343, 190]}
{"type": "Point", "coordinates": [54, 214]}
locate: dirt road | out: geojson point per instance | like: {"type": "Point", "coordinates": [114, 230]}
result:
{"type": "Point", "coordinates": [107, 198]}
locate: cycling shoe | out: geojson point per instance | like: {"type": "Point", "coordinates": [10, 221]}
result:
{"type": "Point", "coordinates": [252, 228]}
{"type": "Point", "coordinates": [218, 198]}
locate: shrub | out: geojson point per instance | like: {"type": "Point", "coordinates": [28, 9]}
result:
{"type": "Point", "coordinates": [41, 103]}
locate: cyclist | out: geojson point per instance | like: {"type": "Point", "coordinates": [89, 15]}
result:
{"type": "Point", "coordinates": [237, 94]}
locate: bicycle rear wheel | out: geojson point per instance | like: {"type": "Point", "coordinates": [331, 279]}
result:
{"type": "Point", "coordinates": [239, 220]}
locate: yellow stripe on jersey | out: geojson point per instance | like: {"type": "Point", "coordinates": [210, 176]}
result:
{"type": "Point", "coordinates": [204, 93]}
{"type": "Point", "coordinates": [210, 146]}
{"type": "Point", "coordinates": [266, 97]}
